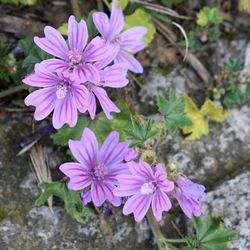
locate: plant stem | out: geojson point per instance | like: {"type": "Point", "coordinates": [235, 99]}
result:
{"type": "Point", "coordinates": [13, 90]}
{"type": "Point", "coordinates": [160, 239]}
{"type": "Point", "coordinates": [106, 3]}
{"type": "Point", "coordinates": [76, 9]}
{"type": "Point", "coordinates": [100, 5]}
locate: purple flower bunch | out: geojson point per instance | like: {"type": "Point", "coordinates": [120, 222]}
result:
{"type": "Point", "coordinates": [111, 173]}
{"type": "Point", "coordinates": [73, 80]}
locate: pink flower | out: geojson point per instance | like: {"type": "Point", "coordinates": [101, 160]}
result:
{"type": "Point", "coordinates": [114, 77]}
{"type": "Point", "coordinates": [131, 155]}
{"type": "Point", "coordinates": [189, 196]}
{"type": "Point", "coordinates": [125, 43]}
{"type": "Point", "coordinates": [76, 58]}
{"type": "Point", "coordinates": [145, 186]}
{"type": "Point", "coordinates": [97, 169]}
{"type": "Point", "coordinates": [60, 92]}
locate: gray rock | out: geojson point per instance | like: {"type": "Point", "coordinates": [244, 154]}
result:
{"type": "Point", "coordinates": [221, 154]}
{"type": "Point", "coordinates": [230, 201]}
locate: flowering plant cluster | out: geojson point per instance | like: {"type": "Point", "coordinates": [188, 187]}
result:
{"type": "Point", "coordinates": [71, 83]}
{"type": "Point", "coordinates": [111, 174]}
{"type": "Point", "coordinates": [73, 80]}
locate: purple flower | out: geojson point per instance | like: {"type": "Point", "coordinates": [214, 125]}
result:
{"type": "Point", "coordinates": [78, 57]}
{"type": "Point", "coordinates": [114, 77]}
{"type": "Point", "coordinates": [131, 155]}
{"type": "Point", "coordinates": [145, 186]}
{"type": "Point", "coordinates": [96, 168]}
{"type": "Point", "coordinates": [60, 92]}
{"type": "Point", "coordinates": [125, 43]}
{"type": "Point", "coordinates": [189, 196]}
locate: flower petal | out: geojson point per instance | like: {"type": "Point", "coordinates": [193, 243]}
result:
{"type": "Point", "coordinates": [137, 204]}
{"type": "Point", "coordinates": [55, 65]}
{"type": "Point", "coordinates": [114, 200]}
{"type": "Point", "coordinates": [115, 76]}
{"type": "Point", "coordinates": [86, 197]}
{"type": "Point", "coordinates": [91, 73]}
{"type": "Point", "coordinates": [97, 50]}
{"type": "Point", "coordinates": [92, 105]}
{"type": "Point", "coordinates": [72, 169]}
{"type": "Point", "coordinates": [101, 22]}
{"type": "Point", "coordinates": [65, 112]}
{"type": "Point", "coordinates": [85, 150]}
{"type": "Point", "coordinates": [128, 185]}
{"type": "Point", "coordinates": [107, 105]}
{"type": "Point", "coordinates": [116, 20]}
{"type": "Point", "coordinates": [98, 193]}
{"type": "Point", "coordinates": [160, 203]}
{"type": "Point", "coordinates": [131, 62]}
{"type": "Point", "coordinates": [132, 39]}
{"type": "Point", "coordinates": [141, 169]}
{"type": "Point", "coordinates": [53, 43]}
{"type": "Point", "coordinates": [41, 77]}
{"type": "Point", "coordinates": [81, 96]}
{"type": "Point", "coordinates": [44, 100]}
{"type": "Point", "coordinates": [112, 151]}
{"type": "Point", "coordinates": [77, 34]}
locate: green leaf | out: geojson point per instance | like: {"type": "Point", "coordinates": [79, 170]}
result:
{"type": "Point", "coordinates": [173, 111]}
{"type": "Point", "coordinates": [24, 2]}
{"type": "Point", "coordinates": [141, 18]}
{"type": "Point", "coordinates": [101, 126]}
{"type": "Point", "coordinates": [208, 16]}
{"type": "Point", "coordinates": [211, 235]}
{"type": "Point", "coordinates": [234, 65]}
{"type": "Point", "coordinates": [4, 48]}
{"type": "Point", "coordinates": [194, 41]}
{"type": "Point", "coordinates": [28, 2]}
{"type": "Point", "coordinates": [169, 2]}
{"type": "Point", "coordinates": [72, 201]}
{"type": "Point", "coordinates": [213, 34]}
{"type": "Point", "coordinates": [36, 55]}
{"type": "Point", "coordinates": [139, 132]}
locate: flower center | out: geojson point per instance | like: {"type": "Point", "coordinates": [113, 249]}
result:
{"type": "Point", "coordinates": [62, 89]}
{"type": "Point", "coordinates": [75, 58]}
{"type": "Point", "coordinates": [115, 39]}
{"type": "Point", "coordinates": [99, 172]}
{"type": "Point", "coordinates": [147, 188]}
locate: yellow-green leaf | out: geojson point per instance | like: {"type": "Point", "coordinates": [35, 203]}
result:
{"type": "Point", "coordinates": [63, 29]}
{"type": "Point", "coordinates": [199, 125]}
{"type": "Point", "coordinates": [141, 18]}
{"type": "Point", "coordinates": [28, 2]}
{"type": "Point", "coordinates": [244, 6]}
{"type": "Point", "coordinates": [120, 3]}
{"type": "Point", "coordinates": [198, 117]}
{"type": "Point", "coordinates": [209, 108]}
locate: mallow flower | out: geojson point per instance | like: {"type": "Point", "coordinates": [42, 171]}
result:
{"type": "Point", "coordinates": [96, 168]}
{"type": "Point", "coordinates": [125, 43]}
{"type": "Point", "coordinates": [113, 76]}
{"type": "Point", "coordinates": [61, 92]}
{"type": "Point", "coordinates": [189, 196]}
{"type": "Point", "coordinates": [77, 57]}
{"type": "Point", "coordinates": [145, 186]}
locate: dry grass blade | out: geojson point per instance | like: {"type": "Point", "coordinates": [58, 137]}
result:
{"type": "Point", "coordinates": [185, 37]}
{"type": "Point", "coordinates": [196, 64]}
{"type": "Point", "coordinates": [39, 160]}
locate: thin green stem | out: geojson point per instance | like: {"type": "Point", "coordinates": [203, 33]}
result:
{"type": "Point", "coordinates": [106, 3]}
{"type": "Point", "coordinates": [13, 90]}
{"type": "Point", "coordinates": [175, 240]}
{"type": "Point", "coordinates": [160, 239]}
{"type": "Point", "coordinates": [76, 9]}
{"type": "Point", "coordinates": [100, 5]}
